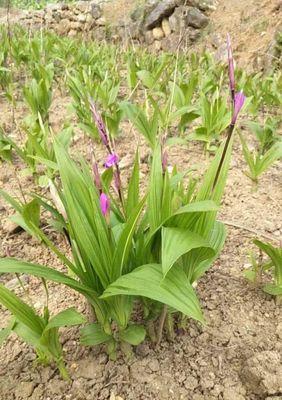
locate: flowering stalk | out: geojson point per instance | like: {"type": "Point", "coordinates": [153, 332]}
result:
{"type": "Point", "coordinates": [112, 159]}
{"type": "Point", "coordinates": [95, 169]}
{"type": "Point", "coordinates": [101, 127]}
{"type": "Point", "coordinates": [239, 100]}
{"type": "Point", "coordinates": [231, 70]}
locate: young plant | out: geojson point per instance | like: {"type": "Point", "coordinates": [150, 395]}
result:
{"type": "Point", "coordinates": [273, 266]}
{"type": "Point", "coordinates": [39, 331]}
{"type": "Point", "coordinates": [257, 161]}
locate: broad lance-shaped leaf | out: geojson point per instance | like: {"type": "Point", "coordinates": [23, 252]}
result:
{"type": "Point", "coordinates": [13, 265]}
{"type": "Point", "coordinates": [197, 262]}
{"type": "Point", "coordinates": [93, 334]}
{"type": "Point", "coordinates": [134, 334]}
{"type": "Point", "coordinates": [125, 240]}
{"type": "Point", "coordinates": [176, 242]}
{"type": "Point", "coordinates": [133, 187]}
{"type": "Point", "coordinates": [23, 312]}
{"type": "Point", "coordinates": [186, 216]}
{"type": "Point", "coordinates": [155, 190]}
{"type": "Point", "coordinates": [20, 267]}
{"type": "Point", "coordinates": [147, 281]}
{"type": "Point", "coordinates": [67, 317]}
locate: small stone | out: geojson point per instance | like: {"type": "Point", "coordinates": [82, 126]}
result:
{"type": "Point", "coordinates": [177, 21]}
{"type": "Point", "coordinates": [162, 10]}
{"type": "Point", "coordinates": [63, 27]}
{"type": "Point", "coordinates": [230, 393]}
{"type": "Point", "coordinates": [154, 365]}
{"type": "Point", "coordinates": [10, 227]}
{"type": "Point", "coordinates": [89, 369]}
{"type": "Point", "coordinates": [166, 27]}
{"type": "Point", "coordinates": [24, 390]}
{"type": "Point", "coordinates": [96, 11]}
{"type": "Point", "coordinates": [72, 33]}
{"type": "Point", "coordinates": [101, 21]}
{"type": "Point", "coordinates": [191, 383]}
{"type": "Point", "coordinates": [82, 6]}
{"type": "Point", "coordinates": [13, 283]}
{"type": "Point", "coordinates": [81, 17]}
{"type": "Point", "coordinates": [279, 330]}
{"type": "Point", "coordinates": [158, 33]}
{"type": "Point", "coordinates": [143, 349]}
{"type": "Point", "coordinates": [149, 38]}
{"type": "Point", "coordinates": [196, 18]}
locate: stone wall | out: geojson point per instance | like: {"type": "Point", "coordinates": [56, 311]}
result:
{"type": "Point", "coordinates": [159, 24]}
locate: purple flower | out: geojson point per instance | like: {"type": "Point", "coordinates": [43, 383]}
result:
{"type": "Point", "coordinates": [99, 124]}
{"type": "Point", "coordinates": [239, 101]}
{"type": "Point", "coordinates": [111, 160]}
{"type": "Point", "coordinates": [105, 204]}
{"type": "Point", "coordinates": [231, 67]}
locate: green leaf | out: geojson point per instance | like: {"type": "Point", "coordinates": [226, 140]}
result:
{"type": "Point", "coordinates": [21, 310]}
{"type": "Point", "coordinates": [67, 317]}
{"type": "Point", "coordinates": [134, 334]}
{"type": "Point", "coordinates": [93, 334]}
{"type": "Point", "coordinates": [9, 199]}
{"type": "Point", "coordinates": [21, 267]}
{"type": "Point", "coordinates": [147, 78]}
{"type": "Point", "coordinates": [176, 242]}
{"type": "Point", "coordinates": [133, 187]}
{"type": "Point", "coordinates": [147, 281]}
{"type": "Point", "coordinates": [155, 190]}
{"type": "Point", "coordinates": [274, 290]}
{"type": "Point", "coordinates": [31, 212]}
{"type": "Point", "coordinates": [125, 240]}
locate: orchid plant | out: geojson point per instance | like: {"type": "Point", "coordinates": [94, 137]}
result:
{"type": "Point", "coordinates": [131, 249]}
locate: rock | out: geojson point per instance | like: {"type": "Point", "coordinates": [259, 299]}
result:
{"type": "Point", "coordinates": [158, 33]}
{"type": "Point", "coordinates": [72, 33]}
{"type": "Point", "coordinates": [166, 27]}
{"type": "Point", "coordinates": [101, 21]}
{"type": "Point", "coordinates": [137, 14]}
{"type": "Point", "coordinates": [143, 349]}
{"type": "Point", "coordinates": [134, 30]}
{"type": "Point", "coordinates": [279, 330]}
{"type": "Point", "coordinates": [149, 38]}
{"type": "Point", "coordinates": [13, 283]}
{"type": "Point", "coordinates": [230, 393]}
{"type": "Point", "coordinates": [171, 42]}
{"type": "Point", "coordinates": [75, 25]}
{"type": "Point", "coordinates": [81, 18]}
{"type": "Point", "coordinates": [204, 5]}
{"type": "Point", "coordinates": [63, 27]}
{"type": "Point", "coordinates": [89, 369]}
{"type": "Point", "coordinates": [263, 372]}
{"type": "Point", "coordinates": [82, 6]}
{"type": "Point", "coordinates": [177, 21]}
{"type": "Point", "coordinates": [162, 10]}
{"type": "Point", "coordinates": [96, 11]}
{"type": "Point", "coordinates": [24, 390]}
{"type": "Point", "coordinates": [154, 365]}
{"type": "Point", "coordinates": [11, 227]}
{"type": "Point", "coordinates": [191, 383]}
{"type": "Point", "coordinates": [196, 18]}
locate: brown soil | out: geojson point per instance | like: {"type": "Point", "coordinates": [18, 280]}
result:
{"type": "Point", "coordinates": [235, 356]}
{"type": "Point", "coordinates": [251, 24]}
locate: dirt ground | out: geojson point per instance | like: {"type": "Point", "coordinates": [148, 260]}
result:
{"type": "Point", "coordinates": [235, 356]}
